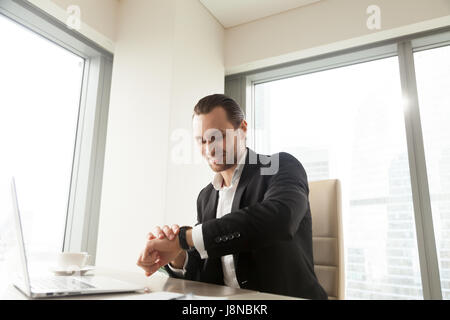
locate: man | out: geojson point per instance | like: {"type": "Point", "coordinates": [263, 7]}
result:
{"type": "Point", "coordinates": [254, 228]}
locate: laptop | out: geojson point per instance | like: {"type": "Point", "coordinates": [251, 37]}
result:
{"type": "Point", "coordinates": [56, 286]}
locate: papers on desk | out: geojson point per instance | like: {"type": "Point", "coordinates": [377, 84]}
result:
{"type": "Point", "coordinates": [191, 296]}
{"type": "Point", "coordinates": [165, 295]}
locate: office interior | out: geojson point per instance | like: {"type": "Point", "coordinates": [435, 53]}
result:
{"type": "Point", "coordinates": [96, 110]}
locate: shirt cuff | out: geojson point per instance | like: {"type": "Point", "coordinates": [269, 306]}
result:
{"type": "Point", "coordinates": [180, 272]}
{"type": "Point", "coordinates": [197, 238]}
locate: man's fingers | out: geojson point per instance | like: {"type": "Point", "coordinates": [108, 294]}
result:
{"type": "Point", "coordinates": [148, 248]}
{"type": "Point", "coordinates": [164, 232]}
{"type": "Point", "coordinates": [152, 259]}
{"type": "Point", "coordinates": [139, 261]}
{"type": "Point", "coordinates": [168, 232]}
{"type": "Point", "coordinates": [175, 229]}
{"type": "Point", "coordinates": [159, 233]}
{"type": "Point", "coordinates": [151, 270]}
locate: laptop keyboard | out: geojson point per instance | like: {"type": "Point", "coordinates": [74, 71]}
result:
{"type": "Point", "coordinates": [58, 284]}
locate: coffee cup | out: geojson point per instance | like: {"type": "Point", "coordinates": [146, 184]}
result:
{"type": "Point", "coordinates": [72, 260]}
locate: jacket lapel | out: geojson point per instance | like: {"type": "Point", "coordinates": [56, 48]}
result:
{"type": "Point", "coordinates": [211, 206]}
{"type": "Point", "coordinates": [249, 169]}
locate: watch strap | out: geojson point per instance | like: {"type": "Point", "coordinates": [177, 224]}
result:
{"type": "Point", "coordinates": [182, 238]}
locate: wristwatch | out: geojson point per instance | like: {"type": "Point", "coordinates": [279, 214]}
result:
{"type": "Point", "coordinates": [182, 238]}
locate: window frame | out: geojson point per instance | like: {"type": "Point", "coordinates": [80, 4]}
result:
{"type": "Point", "coordinates": [83, 209]}
{"type": "Point", "coordinates": [242, 87]}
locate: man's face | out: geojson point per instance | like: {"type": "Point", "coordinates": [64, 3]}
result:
{"type": "Point", "coordinates": [218, 140]}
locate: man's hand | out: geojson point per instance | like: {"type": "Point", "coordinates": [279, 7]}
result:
{"type": "Point", "coordinates": [165, 232]}
{"type": "Point", "coordinates": [162, 247]}
{"type": "Point", "coordinates": [158, 253]}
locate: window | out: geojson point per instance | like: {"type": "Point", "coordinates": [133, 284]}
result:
{"type": "Point", "coordinates": [433, 82]}
{"type": "Point", "coordinates": [53, 113]}
{"type": "Point", "coordinates": [376, 118]}
{"type": "Point", "coordinates": [41, 90]}
{"type": "Point", "coordinates": [345, 123]}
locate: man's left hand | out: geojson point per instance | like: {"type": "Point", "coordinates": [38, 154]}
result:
{"type": "Point", "coordinates": [167, 250]}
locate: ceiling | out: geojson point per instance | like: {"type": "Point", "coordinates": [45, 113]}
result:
{"type": "Point", "coordinates": [231, 13]}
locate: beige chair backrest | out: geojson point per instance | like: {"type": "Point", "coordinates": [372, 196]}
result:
{"type": "Point", "coordinates": [326, 212]}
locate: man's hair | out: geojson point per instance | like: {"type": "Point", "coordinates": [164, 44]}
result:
{"type": "Point", "coordinates": [234, 112]}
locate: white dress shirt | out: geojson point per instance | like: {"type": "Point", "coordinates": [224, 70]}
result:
{"type": "Point", "coordinates": [226, 196]}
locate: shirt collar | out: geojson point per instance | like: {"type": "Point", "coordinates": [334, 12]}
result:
{"type": "Point", "coordinates": [218, 179]}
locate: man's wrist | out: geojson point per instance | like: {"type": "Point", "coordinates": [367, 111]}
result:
{"type": "Point", "coordinates": [179, 260]}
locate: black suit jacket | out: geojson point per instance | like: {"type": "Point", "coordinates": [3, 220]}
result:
{"type": "Point", "coordinates": [269, 231]}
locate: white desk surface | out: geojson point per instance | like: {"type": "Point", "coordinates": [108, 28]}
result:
{"type": "Point", "coordinates": [156, 283]}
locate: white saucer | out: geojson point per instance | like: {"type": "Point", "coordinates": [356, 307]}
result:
{"type": "Point", "coordinates": [64, 271]}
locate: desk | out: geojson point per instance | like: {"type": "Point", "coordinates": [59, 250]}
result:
{"type": "Point", "coordinates": [159, 282]}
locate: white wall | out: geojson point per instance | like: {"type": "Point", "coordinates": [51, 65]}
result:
{"type": "Point", "coordinates": [169, 53]}
{"type": "Point", "coordinates": [323, 27]}
{"type": "Point", "coordinates": [198, 66]}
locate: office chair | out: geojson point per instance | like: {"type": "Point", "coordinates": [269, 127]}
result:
{"type": "Point", "coordinates": [326, 211]}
